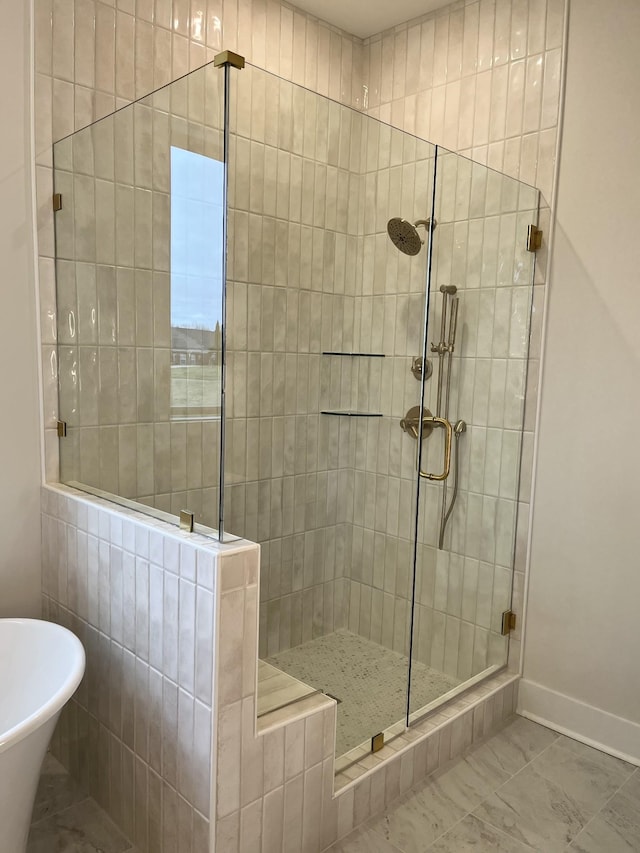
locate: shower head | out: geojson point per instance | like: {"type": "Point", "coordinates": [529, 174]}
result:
{"type": "Point", "coordinates": [404, 234]}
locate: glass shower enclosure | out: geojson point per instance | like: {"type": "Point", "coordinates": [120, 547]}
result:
{"type": "Point", "coordinates": [308, 329]}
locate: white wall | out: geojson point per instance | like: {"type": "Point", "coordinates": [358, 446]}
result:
{"type": "Point", "coordinates": [20, 418]}
{"type": "Point", "coordinates": [583, 624]}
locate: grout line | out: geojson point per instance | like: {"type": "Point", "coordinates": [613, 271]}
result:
{"type": "Point", "coordinates": [559, 745]}
{"type": "Point", "coordinates": [599, 751]}
{"type": "Point", "coordinates": [438, 772]}
{"type": "Point", "coordinates": [512, 776]}
{"type": "Point", "coordinates": [60, 811]}
{"type": "Point", "coordinates": [505, 835]}
{"type": "Point", "coordinates": [602, 808]}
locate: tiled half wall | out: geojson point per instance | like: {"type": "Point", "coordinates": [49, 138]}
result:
{"type": "Point", "coordinates": [163, 729]}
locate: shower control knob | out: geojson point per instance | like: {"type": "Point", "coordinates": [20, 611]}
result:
{"type": "Point", "coordinates": [417, 367]}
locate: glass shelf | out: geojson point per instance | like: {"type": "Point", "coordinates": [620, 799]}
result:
{"type": "Point", "coordinates": [347, 414]}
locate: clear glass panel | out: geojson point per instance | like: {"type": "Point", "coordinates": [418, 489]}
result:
{"type": "Point", "coordinates": [139, 283]}
{"type": "Point", "coordinates": [324, 318]}
{"type": "Point", "coordinates": [464, 567]}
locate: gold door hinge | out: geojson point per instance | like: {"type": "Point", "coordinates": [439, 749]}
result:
{"type": "Point", "coordinates": [62, 429]}
{"type": "Point", "coordinates": [186, 520]}
{"type": "Point", "coordinates": [227, 57]}
{"type": "Point", "coordinates": [377, 742]}
{"type": "Point", "coordinates": [534, 239]}
{"type": "Point", "coordinates": [508, 622]}
{"type": "Point", "coordinates": [57, 202]}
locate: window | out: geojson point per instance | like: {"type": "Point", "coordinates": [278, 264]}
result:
{"type": "Point", "coordinates": [196, 283]}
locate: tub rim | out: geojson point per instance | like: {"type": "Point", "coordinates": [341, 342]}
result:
{"type": "Point", "coordinates": [58, 700]}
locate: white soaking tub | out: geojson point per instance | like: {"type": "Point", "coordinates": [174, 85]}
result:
{"type": "Point", "coordinates": [41, 665]}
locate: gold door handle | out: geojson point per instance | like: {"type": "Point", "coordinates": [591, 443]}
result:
{"type": "Point", "coordinates": [446, 425]}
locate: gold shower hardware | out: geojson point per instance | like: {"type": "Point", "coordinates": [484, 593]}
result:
{"type": "Point", "coordinates": [186, 520]}
{"type": "Point", "coordinates": [446, 425]}
{"type": "Point", "coordinates": [508, 622]}
{"type": "Point", "coordinates": [227, 57]}
{"type": "Point", "coordinates": [57, 202]}
{"type": "Point", "coordinates": [417, 367]}
{"type": "Point", "coordinates": [62, 429]}
{"type": "Point", "coordinates": [411, 423]}
{"type": "Point", "coordinates": [377, 742]}
{"type": "Point", "coordinates": [534, 239]}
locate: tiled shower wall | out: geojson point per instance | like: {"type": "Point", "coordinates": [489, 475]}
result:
{"type": "Point", "coordinates": [479, 245]}
{"type": "Point", "coordinates": [397, 181]}
{"type": "Point", "coordinates": [293, 221]}
{"type": "Point", "coordinates": [92, 57]}
{"type": "Point", "coordinates": [482, 79]}
{"type": "Point", "coordinates": [114, 302]}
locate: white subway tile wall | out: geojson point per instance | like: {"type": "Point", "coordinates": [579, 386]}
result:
{"type": "Point", "coordinates": [479, 78]}
{"type": "Point", "coordinates": [137, 734]}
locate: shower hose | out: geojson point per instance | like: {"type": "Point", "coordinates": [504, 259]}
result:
{"type": "Point", "coordinates": [443, 525]}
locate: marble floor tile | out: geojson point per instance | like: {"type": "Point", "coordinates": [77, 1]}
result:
{"type": "Point", "coordinates": [596, 756]}
{"type": "Point", "coordinates": [473, 836]}
{"type": "Point", "coordinates": [518, 743]}
{"type": "Point", "coordinates": [534, 810]}
{"type": "Point", "coordinates": [589, 777]}
{"type": "Point", "coordinates": [469, 781]}
{"type": "Point", "coordinates": [443, 799]}
{"type": "Point", "coordinates": [524, 789]}
{"type": "Point", "coordinates": [81, 828]}
{"type": "Point", "coordinates": [616, 828]}
{"type": "Point", "coordinates": [418, 819]}
{"type": "Point", "coordinates": [363, 841]}
{"type": "Point", "coordinates": [56, 790]}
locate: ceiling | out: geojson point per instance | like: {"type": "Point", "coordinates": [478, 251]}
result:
{"type": "Point", "coordinates": [365, 18]}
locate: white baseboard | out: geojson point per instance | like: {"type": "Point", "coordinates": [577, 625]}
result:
{"type": "Point", "coordinates": [590, 725]}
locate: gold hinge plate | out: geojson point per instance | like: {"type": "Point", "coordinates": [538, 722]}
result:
{"type": "Point", "coordinates": [57, 202]}
{"type": "Point", "coordinates": [62, 429]}
{"type": "Point", "coordinates": [186, 520]}
{"type": "Point", "coordinates": [508, 622]}
{"type": "Point", "coordinates": [227, 57]}
{"type": "Point", "coordinates": [377, 742]}
{"type": "Point", "coordinates": [534, 239]}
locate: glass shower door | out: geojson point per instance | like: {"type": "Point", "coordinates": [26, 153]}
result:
{"type": "Point", "coordinates": [480, 304]}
